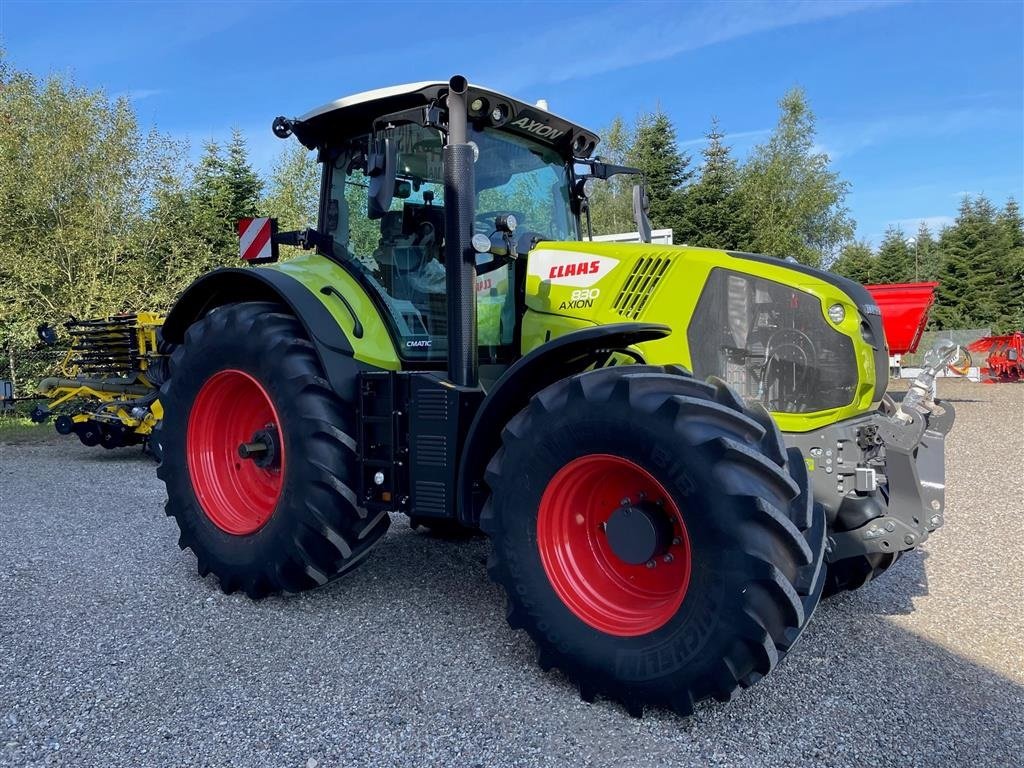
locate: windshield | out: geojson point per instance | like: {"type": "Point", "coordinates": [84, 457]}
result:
{"type": "Point", "coordinates": [401, 250]}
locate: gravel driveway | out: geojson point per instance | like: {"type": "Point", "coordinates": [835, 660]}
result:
{"type": "Point", "coordinates": [114, 652]}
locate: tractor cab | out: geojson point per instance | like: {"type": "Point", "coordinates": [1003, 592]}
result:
{"type": "Point", "coordinates": [383, 212]}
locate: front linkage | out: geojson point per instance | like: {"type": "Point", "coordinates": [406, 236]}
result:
{"type": "Point", "coordinates": [881, 477]}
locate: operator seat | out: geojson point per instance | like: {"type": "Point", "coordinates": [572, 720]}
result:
{"type": "Point", "coordinates": [410, 269]}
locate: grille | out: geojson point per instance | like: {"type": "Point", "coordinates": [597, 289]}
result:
{"type": "Point", "coordinates": [430, 499]}
{"type": "Point", "coordinates": [636, 292]}
{"type": "Point", "coordinates": [432, 450]}
{"type": "Point", "coordinates": [432, 404]}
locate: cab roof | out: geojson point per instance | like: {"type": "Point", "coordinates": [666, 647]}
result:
{"type": "Point", "coordinates": [354, 115]}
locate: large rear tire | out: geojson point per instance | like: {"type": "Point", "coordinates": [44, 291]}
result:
{"type": "Point", "coordinates": [739, 567]}
{"type": "Point", "coordinates": [286, 518]}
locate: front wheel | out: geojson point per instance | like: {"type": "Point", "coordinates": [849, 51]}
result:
{"type": "Point", "coordinates": [258, 456]}
{"type": "Point", "coordinates": [653, 537]}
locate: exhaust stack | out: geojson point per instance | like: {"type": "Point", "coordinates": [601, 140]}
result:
{"type": "Point", "coordinates": [460, 258]}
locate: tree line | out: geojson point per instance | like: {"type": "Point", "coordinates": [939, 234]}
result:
{"type": "Point", "coordinates": [99, 217]}
{"type": "Point", "coordinates": [785, 200]}
{"type": "Point", "coordinates": [978, 261]}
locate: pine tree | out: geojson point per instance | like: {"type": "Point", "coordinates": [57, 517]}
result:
{"type": "Point", "coordinates": [926, 255]}
{"type": "Point", "coordinates": [244, 185]}
{"type": "Point", "coordinates": [1010, 287]}
{"type": "Point", "coordinates": [208, 199]}
{"type": "Point", "coordinates": [793, 199]}
{"type": "Point", "coordinates": [974, 272]}
{"type": "Point", "coordinates": [857, 261]}
{"type": "Point", "coordinates": [895, 259]}
{"type": "Point", "coordinates": [665, 168]}
{"type": "Point", "coordinates": [713, 213]}
{"type": "Point", "coordinates": [225, 188]}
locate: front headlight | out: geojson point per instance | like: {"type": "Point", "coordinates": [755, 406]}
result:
{"type": "Point", "coordinates": [837, 313]}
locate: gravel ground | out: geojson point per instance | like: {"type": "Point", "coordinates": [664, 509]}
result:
{"type": "Point", "coordinates": [114, 652]}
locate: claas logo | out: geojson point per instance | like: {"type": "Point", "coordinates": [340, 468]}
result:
{"type": "Point", "coordinates": [580, 268]}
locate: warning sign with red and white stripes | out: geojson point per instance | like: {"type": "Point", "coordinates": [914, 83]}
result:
{"type": "Point", "coordinates": [256, 239]}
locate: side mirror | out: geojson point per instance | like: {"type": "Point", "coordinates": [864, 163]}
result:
{"type": "Point", "coordinates": [641, 205]}
{"type": "Point", "coordinates": [382, 164]}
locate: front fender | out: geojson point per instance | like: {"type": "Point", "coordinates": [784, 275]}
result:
{"type": "Point", "coordinates": [559, 358]}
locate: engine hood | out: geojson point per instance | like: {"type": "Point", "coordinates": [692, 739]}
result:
{"type": "Point", "coordinates": [606, 283]}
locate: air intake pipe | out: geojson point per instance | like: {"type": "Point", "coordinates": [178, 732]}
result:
{"type": "Point", "coordinates": [460, 258]}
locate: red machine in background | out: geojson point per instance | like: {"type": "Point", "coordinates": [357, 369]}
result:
{"type": "Point", "coordinates": [1004, 356]}
{"type": "Point", "coordinates": [904, 308]}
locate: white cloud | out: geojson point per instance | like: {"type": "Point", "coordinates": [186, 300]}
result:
{"type": "Point", "coordinates": [729, 138]}
{"type": "Point", "coordinates": [137, 94]}
{"type": "Point", "coordinates": [843, 139]}
{"type": "Point", "coordinates": [624, 36]}
{"type": "Point", "coordinates": [934, 224]}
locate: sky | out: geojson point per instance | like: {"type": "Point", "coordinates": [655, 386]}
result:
{"type": "Point", "coordinates": [918, 103]}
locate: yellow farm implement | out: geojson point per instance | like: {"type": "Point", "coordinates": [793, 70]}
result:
{"type": "Point", "coordinates": [109, 380]}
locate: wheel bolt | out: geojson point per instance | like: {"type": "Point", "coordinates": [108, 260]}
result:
{"type": "Point", "coordinates": [676, 541]}
{"type": "Point", "coordinates": [668, 558]}
{"type": "Point", "coordinates": [625, 502]}
{"type": "Point", "coordinates": [651, 563]}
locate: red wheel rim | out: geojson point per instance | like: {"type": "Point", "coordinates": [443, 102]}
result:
{"type": "Point", "coordinates": [237, 494]}
{"type": "Point", "coordinates": [603, 591]}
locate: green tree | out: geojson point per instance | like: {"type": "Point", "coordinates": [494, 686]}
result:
{"type": "Point", "coordinates": [225, 188]}
{"type": "Point", "coordinates": [611, 207]}
{"type": "Point", "coordinates": [857, 261]}
{"type": "Point", "coordinates": [794, 201]}
{"type": "Point", "coordinates": [713, 212]}
{"type": "Point", "coordinates": [293, 194]}
{"type": "Point", "coordinates": [926, 254]}
{"type": "Point", "coordinates": [1011, 268]}
{"type": "Point", "coordinates": [76, 176]}
{"type": "Point", "coordinates": [665, 169]}
{"type": "Point", "coordinates": [977, 270]}
{"type": "Point", "coordinates": [895, 259]}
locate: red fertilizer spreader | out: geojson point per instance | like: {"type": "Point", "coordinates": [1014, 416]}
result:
{"type": "Point", "coordinates": [904, 308]}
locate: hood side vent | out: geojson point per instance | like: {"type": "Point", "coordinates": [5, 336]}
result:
{"type": "Point", "coordinates": [643, 280]}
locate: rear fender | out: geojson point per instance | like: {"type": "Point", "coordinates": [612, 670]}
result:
{"type": "Point", "coordinates": [321, 302]}
{"type": "Point", "coordinates": [559, 358]}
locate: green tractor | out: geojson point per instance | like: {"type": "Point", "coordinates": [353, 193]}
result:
{"type": "Point", "coordinates": [607, 414]}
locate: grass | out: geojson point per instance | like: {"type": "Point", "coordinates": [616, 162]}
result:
{"type": "Point", "coordinates": [18, 430]}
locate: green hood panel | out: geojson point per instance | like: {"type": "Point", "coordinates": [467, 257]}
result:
{"type": "Point", "coordinates": [574, 284]}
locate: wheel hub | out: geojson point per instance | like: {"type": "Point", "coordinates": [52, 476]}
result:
{"type": "Point", "coordinates": [638, 533]}
{"type": "Point", "coordinates": [613, 544]}
{"type": "Point", "coordinates": [262, 448]}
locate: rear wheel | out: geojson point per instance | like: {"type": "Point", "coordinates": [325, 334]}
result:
{"type": "Point", "coordinates": [258, 458]}
{"type": "Point", "coordinates": [653, 536]}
